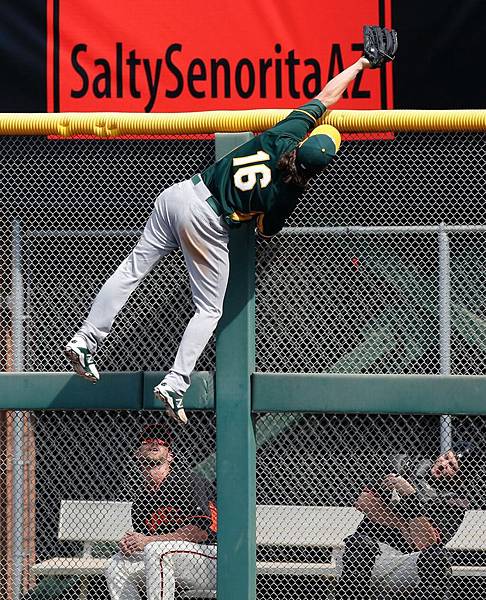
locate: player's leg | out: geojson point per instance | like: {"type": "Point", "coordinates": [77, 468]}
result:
{"type": "Point", "coordinates": [434, 574]}
{"type": "Point", "coordinates": [395, 572]}
{"type": "Point", "coordinates": [203, 237]}
{"type": "Point", "coordinates": [424, 575]}
{"type": "Point", "coordinates": [109, 301]}
{"type": "Point", "coordinates": [123, 576]}
{"type": "Point", "coordinates": [356, 567]}
{"type": "Point", "coordinates": [156, 241]}
{"type": "Point", "coordinates": [190, 565]}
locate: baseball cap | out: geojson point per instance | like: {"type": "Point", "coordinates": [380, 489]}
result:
{"type": "Point", "coordinates": [156, 433]}
{"type": "Point", "coordinates": [318, 150]}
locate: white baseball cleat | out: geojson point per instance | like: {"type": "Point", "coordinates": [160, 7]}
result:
{"type": "Point", "coordinates": [80, 357]}
{"type": "Point", "coordinates": [172, 402]}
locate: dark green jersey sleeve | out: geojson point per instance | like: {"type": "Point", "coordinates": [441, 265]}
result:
{"type": "Point", "coordinates": [271, 222]}
{"type": "Point", "coordinates": [300, 121]}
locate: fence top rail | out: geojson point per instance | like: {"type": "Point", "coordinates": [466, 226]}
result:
{"type": "Point", "coordinates": [110, 125]}
{"type": "Point", "coordinates": [306, 230]}
{"type": "Point", "coordinates": [373, 229]}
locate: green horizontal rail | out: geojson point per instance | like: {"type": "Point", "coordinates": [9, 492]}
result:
{"type": "Point", "coordinates": [405, 394]}
{"type": "Point", "coordinates": [271, 392]}
{"type": "Point", "coordinates": [32, 391]}
{"type": "Point", "coordinates": [120, 391]}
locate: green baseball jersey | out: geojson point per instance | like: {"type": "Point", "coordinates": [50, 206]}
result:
{"type": "Point", "coordinates": [247, 182]}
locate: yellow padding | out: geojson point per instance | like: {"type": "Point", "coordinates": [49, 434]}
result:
{"type": "Point", "coordinates": [331, 132]}
{"type": "Point", "coordinates": [106, 125]}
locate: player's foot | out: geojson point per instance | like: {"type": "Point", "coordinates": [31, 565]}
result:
{"type": "Point", "coordinates": [80, 357]}
{"type": "Point", "coordinates": [171, 401]}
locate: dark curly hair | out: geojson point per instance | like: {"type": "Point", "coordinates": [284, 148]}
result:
{"type": "Point", "coordinates": [291, 174]}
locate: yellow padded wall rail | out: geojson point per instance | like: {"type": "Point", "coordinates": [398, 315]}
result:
{"type": "Point", "coordinates": [117, 124]}
{"type": "Point", "coordinates": [407, 120]}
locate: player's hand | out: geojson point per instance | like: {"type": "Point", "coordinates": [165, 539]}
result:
{"type": "Point", "coordinates": [370, 505]}
{"type": "Point", "coordinates": [133, 542]}
{"type": "Point", "coordinates": [400, 484]}
{"type": "Point", "coordinates": [446, 465]}
{"type": "Point", "coordinates": [423, 533]}
{"type": "Point", "coordinates": [262, 238]}
{"type": "Point", "coordinates": [365, 63]}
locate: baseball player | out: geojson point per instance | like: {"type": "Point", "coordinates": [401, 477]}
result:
{"type": "Point", "coordinates": [174, 538]}
{"type": "Point", "coordinates": [262, 181]}
{"type": "Point", "coordinates": [409, 517]}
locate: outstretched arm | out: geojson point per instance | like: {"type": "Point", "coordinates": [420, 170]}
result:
{"type": "Point", "coordinates": [334, 89]}
{"type": "Point", "coordinates": [422, 533]}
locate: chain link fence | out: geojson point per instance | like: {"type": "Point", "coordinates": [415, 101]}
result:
{"type": "Point", "coordinates": [73, 484]}
{"type": "Point", "coordinates": [381, 270]}
{"type": "Point", "coordinates": [352, 285]}
{"type": "Point", "coordinates": [74, 210]}
{"type": "Point", "coordinates": [319, 467]}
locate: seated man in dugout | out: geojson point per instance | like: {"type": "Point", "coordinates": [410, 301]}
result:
{"type": "Point", "coordinates": [174, 522]}
{"type": "Point", "coordinates": [409, 516]}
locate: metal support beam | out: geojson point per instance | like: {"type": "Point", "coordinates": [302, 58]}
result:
{"type": "Point", "coordinates": [377, 394]}
{"type": "Point", "coordinates": [445, 327]}
{"type": "Point", "coordinates": [235, 434]}
{"type": "Point", "coordinates": [18, 419]}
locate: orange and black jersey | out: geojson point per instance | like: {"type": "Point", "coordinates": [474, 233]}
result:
{"type": "Point", "coordinates": [183, 499]}
{"type": "Point", "coordinates": [247, 182]}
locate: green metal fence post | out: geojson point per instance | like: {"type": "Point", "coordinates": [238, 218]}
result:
{"type": "Point", "coordinates": [235, 435]}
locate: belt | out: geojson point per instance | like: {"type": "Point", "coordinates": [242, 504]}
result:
{"type": "Point", "coordinates": [211, 200]}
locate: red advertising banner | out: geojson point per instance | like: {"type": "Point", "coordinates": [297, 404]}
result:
{"type": "Point", "coordinates": [159, 56]}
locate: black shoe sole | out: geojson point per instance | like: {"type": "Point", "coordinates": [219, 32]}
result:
{"type": "Point", "coordinates": [168, 408]}
{"type": "Point", "coordinates": [73, 358]}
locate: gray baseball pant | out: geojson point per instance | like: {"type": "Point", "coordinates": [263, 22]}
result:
{"type": "Point", "coordinates": [181, 218]}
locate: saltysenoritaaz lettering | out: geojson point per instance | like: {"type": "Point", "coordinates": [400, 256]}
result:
{"type": "Point", "coordinates": [151, 78]}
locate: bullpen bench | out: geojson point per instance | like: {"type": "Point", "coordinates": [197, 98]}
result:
{"type": "Point", "coordinates": [88, 522]}
{"type": "Point", "coordinates": [92, 523]}
{"type": "Point", "coordinates": [328, 526]}
{"type": "Point", "coordinates": [278, 527]}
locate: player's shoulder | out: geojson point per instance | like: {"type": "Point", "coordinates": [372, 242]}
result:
{"type": "Point", "coordinates": [277, 134]}
{"type": "Point", "coordinates": [182, 470]}
{"type": "Point", "coordinates": [278, 142]}
{"type": "Point", "coordinates": [198, 480]}
{"type": "Point", "coordinates": [202, 485]}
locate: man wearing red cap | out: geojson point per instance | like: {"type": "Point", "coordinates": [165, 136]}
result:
{"type": "Point", "coordinates": [261, 180]}
{"type": "Point", "coordinates": [174, 537]}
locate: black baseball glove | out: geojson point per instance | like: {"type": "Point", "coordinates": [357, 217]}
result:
{"type": "Point", "coordinates": [380, 45]}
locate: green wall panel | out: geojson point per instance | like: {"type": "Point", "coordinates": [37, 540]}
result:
{"type": "Point", "coordinates": [31, 391]}
{"type": "Point", "coordinates": [420, 394]}
{"type": "Point", "coordinates": [235, 433]}
{"type": "Point", "coordinates": [134, 390]}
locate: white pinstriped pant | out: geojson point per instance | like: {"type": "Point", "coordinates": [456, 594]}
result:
{"type": "Point", "coordinates": [181, 218]}
{"type": "Point", "coordinates": [158, 567]}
